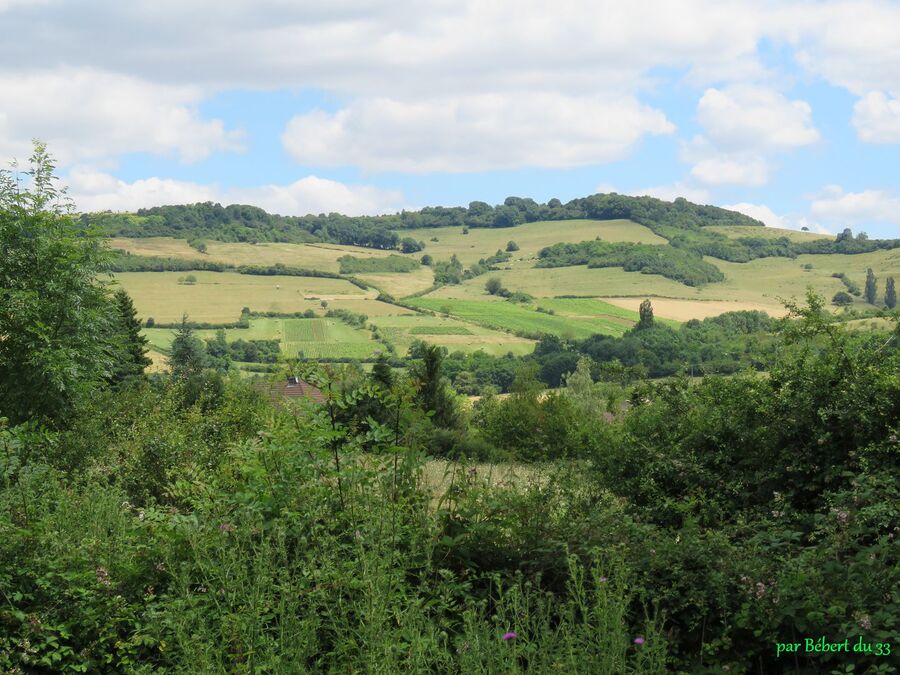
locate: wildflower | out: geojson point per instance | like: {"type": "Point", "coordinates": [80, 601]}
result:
{"type": "Point", "coordinates": [510, 636]}
{"type": "Point", "coordinates": [639, 640]}
{"type": "Point", "coordinates": [603, 580]}
{"type": "Point", "coordinates": [102, 576]}
{"type": "Point", "coordinates": [226, 527]}
{"type": "Point", "coordinates": [865, 622]}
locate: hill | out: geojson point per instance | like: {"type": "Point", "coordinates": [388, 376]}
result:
{"type": "Point", "coordinates": [422, 275]}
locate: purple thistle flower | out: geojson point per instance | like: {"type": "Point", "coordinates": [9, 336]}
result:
{"type": "Point", "coordinates": [510, 636]}
{"type": "Point", "coordinates": [639, 640]}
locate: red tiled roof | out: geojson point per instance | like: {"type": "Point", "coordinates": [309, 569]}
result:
{"type": "Point", "coordinates": [295, 389]}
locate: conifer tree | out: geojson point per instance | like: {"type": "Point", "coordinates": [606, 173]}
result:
{"type": "Point", "coordinates": [890, 293]}
{"type": "Point", "coordinates": [646, 312]}
{"type": "Point", "coordinates": [871, 287]}
{"type": "Point", "coordinates": [132, 358]}
{"type": "Point", "coordinates": [188, 352]}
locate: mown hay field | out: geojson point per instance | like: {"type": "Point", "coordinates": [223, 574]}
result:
{"type": "Point", "coordinates": [312, 256]}
{"type": "Point", "coordinates": [735, 231]}
{"type": "Point", "coordinates": [482, 242]}
{"type": "Point", "coordinates": [758, 284]}
{"type": "Point", "coordinates": [218, 297]}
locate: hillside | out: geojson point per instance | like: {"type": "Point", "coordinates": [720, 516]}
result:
{"type": "Point", "coordinates": [423, 275]}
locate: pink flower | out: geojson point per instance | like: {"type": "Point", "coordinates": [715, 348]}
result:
{"type": "Point", "coordinates": [226, 527]}
{"type": "Point", "coordinates": [509, 636]}
{"type": "Point", "coordinates": [603, 580]}
{"type": "Point", "coordinates": [639, 640]}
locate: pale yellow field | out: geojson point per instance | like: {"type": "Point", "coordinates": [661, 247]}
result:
{"type": "Point", "coordinates": [759, 284]}
{"type": "Point", "coordinates": [218, 297]}
{"type": "Point", "coordinates": [531, 237]}
{"type": "Point", "coordinates": [439, 475]}
{"type": "Point", "coordinates": [312, 256]}
{"type": "Point", "coordinates": [735, 231]}
{"type": "Point", "coordinates": [400, 285]}
{"type": "Point", "coordinates": [684, 310]}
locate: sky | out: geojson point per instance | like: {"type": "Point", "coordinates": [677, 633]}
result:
{"type": "Point", "coordinates": [787, 111]}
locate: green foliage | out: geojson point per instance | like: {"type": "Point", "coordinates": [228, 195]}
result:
{"type": "Point", "coordinates": [512, 246]}
{"type": "Point", "coordinates": [391, 263]}
{"type": "Point", "coordinates": [851, 285]}
{"type": "Point", "coordinates": [132, 358]}
{"type": "Point", "coordinates": [188, 356]}
{"type": "Point", "coordinates": [410, 245]}
{"type": "Point", "coordinates": [842, 299]}
{"type": "Point", "coordinates": [53, 306]}
{"type": "Point", "coordinates": [871, 287]}
{"type": "Point", "coordinates": [646, 314]}
{"type": "Point", "coordinates": [674, 263]}
{"type": "Point", "coordinates": [890, 293]}
{"type": "Point", "coordinates": [448, 272]}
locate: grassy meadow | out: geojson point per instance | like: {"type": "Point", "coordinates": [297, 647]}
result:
{"type": "Point", "coordinates": [313, 256]}
{"type": "Point", "coordinates": [467, 318]}
{"type": "Point", "coordinates": [218, 297]}
{"type": "Point", "coordinates": [481, 242]}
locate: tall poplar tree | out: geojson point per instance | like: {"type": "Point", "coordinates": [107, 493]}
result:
{"type": "Point", "coordinates": [890, 293]}
{"type": "Point", "coordinates": [871, 287]}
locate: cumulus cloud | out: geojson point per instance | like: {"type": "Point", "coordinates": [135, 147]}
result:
{"type": "Point", "coordinates": [867, 207]}
{"type": "Point", "coordinates": [88, 114]}
{"type": "Point", "coordinates": [743, 116]}
{"type": "Point", "coordinates": [489, 131]}
{"type": "Point", "coordinates": [771, 219]}
{"type": "Point", "coordinates": [725, 170]}
{"type": "Point", "coordinates": [877, 118]}
{"type": "Point", "coordinates": [94, 190]}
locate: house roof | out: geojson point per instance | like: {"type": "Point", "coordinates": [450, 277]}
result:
{"type": "Point", "coordinates": [294, 388]}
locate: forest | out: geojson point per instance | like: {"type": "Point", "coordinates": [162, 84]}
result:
{"type": "Point", "coordinates": [187, 521]}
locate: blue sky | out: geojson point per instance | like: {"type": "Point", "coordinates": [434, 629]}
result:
{"type": "Point", "coordinates": [367, 107]}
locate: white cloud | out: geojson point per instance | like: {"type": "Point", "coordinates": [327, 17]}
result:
{"type": "Point", "coordinates": [93, 190]}
{"type": "Point", "coordinates": [466, 133]}
{"type": "Point", "coordinates": [760, 212]}
{"type": "Point", "coordinates": [877, 118]}
{"type": "Point", "coordinates": [742, 116]}
{"type": "Point", "coordinates": [88, 114]}
{"type": "Point", "coordinates": [857, 208]}
{"type": "Point", "coordinates": [731, 170]}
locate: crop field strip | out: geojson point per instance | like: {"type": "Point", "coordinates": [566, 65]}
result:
{"type": "Point", "coordinates": [517, 318]}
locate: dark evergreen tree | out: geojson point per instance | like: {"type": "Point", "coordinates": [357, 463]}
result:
{"type": "Point", "coordinates": [646, 314]}
{"type": "Point", "coordinates": [381, 372]}
{"type": "Point", "coordinates": [871, 287]}
{"type": "Point", "coordinates": [132, 358]}
{"type": "Point", "coordinates": [433, 388]}
{"type": "Point", "coordinates": [188, 355]}
{"type": "Point", "coordinates": [890, 293]}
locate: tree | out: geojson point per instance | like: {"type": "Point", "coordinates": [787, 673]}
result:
{"type": "Point", "coordinates": [871, 287]}
{"type": "Point", "coordinates": [188, 355]}
{"type": "Point", "coordinates": [842, 299]}
{"type": "Point", "coordinates": [890, 293]}
{"type": "Point", "coordinates": [53, 304]}
{"type": "Point", "coordinates": [493, 285]}
{"type": "Point", "coordinates": [410, 245]}
{"type": "Point", "coordinates": [426, 260]}
{"type": "Point", "coordinates": [132, 359]}
{"type": "Point", "coordinates": [434, 393]}
{"type": "Point", "coordinates": [512, 246]}
{"type": "Point", "coordinates": [846, 235]}
{"type": "Point", "coordinates": [381, 372]}
{"type": "Point", "coordinates": [646, 315]}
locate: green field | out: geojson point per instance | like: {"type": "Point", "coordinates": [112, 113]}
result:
{"type": "Point", "coordinates": [482, 242]}
{"type": "Point", "coordinates": [218, 297]}
{"type": "Point", "coordinates": [312, 256]}
{"type": "Point", "coordinates": [735, 231]}
{"type": "Point", "coordinates": [519, 318]}
{"type": "Point", "coordinates": [451, 333]}
{"type": "Point", "coordinates": [758, 284]}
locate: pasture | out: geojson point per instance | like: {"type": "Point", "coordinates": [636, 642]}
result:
{"type": "Point", "coordinates": [735, 231]}
{"type": "Point", "coordinates": [319, 256]}
{"type": "Point", "coordinates": [502, 315]}
{"type": "Point", "coordinates": [455, 335]}
{"type": "Point", "coordinates": [218, 297]}
{"type": "Point", "coordinates": [482, 242]}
